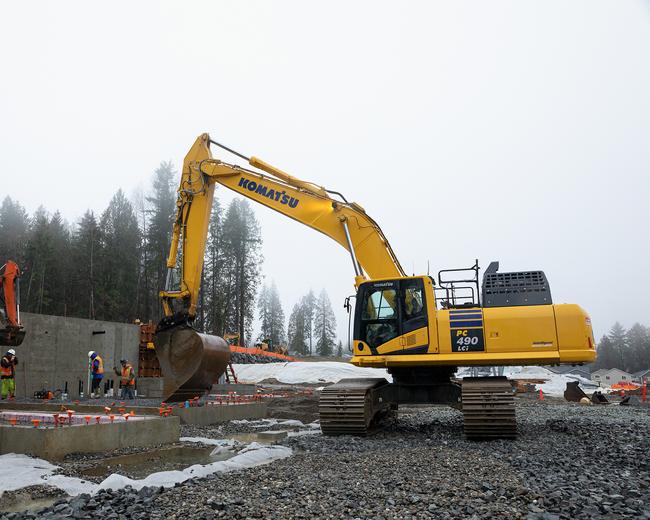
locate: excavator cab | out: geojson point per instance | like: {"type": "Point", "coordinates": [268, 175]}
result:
{"type": "Point", "coordinates": [391, 316]}
{"type": "Point", "coordinates": [12, 332]}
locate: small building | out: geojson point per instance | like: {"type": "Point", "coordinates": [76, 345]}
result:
{"type": "Point", "coordinates": [639, 376]}
{"type": "Point", "coordinates": [608, 377]}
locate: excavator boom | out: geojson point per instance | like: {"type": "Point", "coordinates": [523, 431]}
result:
{"type": "Point", "coordinates": [12, 332]}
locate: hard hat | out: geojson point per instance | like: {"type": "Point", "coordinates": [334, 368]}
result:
{"type": "Point", "coordinates": [11, 351]}
{"type": "Point", "coordinates": [90, 353]}
{"type": "Point", "coordinates": [122, 360]}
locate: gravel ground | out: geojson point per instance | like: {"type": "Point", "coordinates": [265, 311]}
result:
{"type": "Point", "coordinates": [569, 462]}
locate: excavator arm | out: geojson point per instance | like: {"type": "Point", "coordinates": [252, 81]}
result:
{"type": "Point", "coordinates": [192, 362]}
{"type": "Point", "coordinates": [11, 330]}
{"type": "Point", "coordinates": [345, 222]}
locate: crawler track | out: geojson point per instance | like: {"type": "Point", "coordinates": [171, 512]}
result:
{"type": "Point", "coordinates": [350, 408]}
{"type": "Point", "coordinates": [488, 408]}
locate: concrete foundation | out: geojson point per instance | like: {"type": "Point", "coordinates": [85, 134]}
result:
{"type": "Point", "coordinates": [239, 388]}
{"type": "Point", "coordinates": [204, 415]}
{"type": "Point", "coordinates": [150, 387]}
{"type": "Point", "coordinates": [52, 443]}
{"type": "Point", "coordinates": [200, 415]}
{"type": "Point", "coordinates": [55, 351]}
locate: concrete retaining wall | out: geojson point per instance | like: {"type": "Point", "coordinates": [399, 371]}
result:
{"type": "Point", "coordinates": [55, 350]}
{"type": "Point", "coordinates": [204, 415]}
{"type": "Point", "coordinates": [55, 443]}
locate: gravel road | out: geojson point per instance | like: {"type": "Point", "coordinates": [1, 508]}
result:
{"type": "Point", "coordinates": [570, 461]}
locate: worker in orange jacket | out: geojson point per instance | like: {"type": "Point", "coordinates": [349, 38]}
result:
{"type": "Point", "coordinates": [127, 380]}
{"type": "Point", "coordinates": [8, 374]}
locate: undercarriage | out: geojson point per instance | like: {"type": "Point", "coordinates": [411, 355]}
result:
{"type": "Point", "coordinates": [364, 406]}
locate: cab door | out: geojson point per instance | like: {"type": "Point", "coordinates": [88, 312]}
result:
{"type": "Point", "coordinates": [414, 338]}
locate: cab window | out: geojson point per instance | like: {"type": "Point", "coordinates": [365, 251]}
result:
{"type": "Point", "coordinates": [414, 314]}
{"type": "Point", "coordinates": [379, 322]}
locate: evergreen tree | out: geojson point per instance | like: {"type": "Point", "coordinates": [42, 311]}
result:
{"type": "Point", "coordinates": [216, 286]}
{"type": "Point", "coordinates": [119, 262]}
{"type": "Point", "coordinates": [14, 227]}
{"type": "Point", "coordinates": [324, 325]}
{"type": "Point", "coordinates": [339, 349]}
{"type": "Point", "coordinates": [271, 316]}
{"type": "Point", "coordinates": [60, 268]}
{"type": "Point", "coordinates": [242, 247]}
{"type": "Point", "coordinates": [86, 251]}
{"type": "Point", "coordinates": [296, 330]}
{"type": "Point", "coordinates": [157, 237]}
{"type": "Point", "coordinates": [607, 357]}
{"type": "Point", "coordinates": [638, 341]}
{"type": "Point", "coordinates": [618, 339]}
{"type": "Point", "coordinates": [309, 308]}
{"type": "Point", "coordinates": [38, 255]}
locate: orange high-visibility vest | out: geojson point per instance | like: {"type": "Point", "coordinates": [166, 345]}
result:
{"type": "Point", "coordinates": [7, 371]}
{"type": "Point", "coordinates": [100, 368]}
{"type": "Point", "coordinates": [126, 374]}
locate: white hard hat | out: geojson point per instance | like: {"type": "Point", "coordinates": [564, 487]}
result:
{"type": "Point", "coordinates": [90, 353]}
{"type": "Point", "coordinates": [11, 351]}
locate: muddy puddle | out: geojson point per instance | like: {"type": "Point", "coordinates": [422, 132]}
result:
{"type": "Point", "coordinates": [140, 465]}
{"type": "Point", "coordinates": [24, 502]}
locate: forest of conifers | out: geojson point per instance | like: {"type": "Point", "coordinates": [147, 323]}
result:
{"type": "Point", "coordinates": [111, 266]}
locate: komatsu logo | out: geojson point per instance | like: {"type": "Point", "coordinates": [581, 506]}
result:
{"type": "Point", "coordinates": [270, 193]}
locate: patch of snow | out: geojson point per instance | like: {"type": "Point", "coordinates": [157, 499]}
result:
{"type": "Point", "coordinates": [210, 442]}
{"type": "Point", "coordinates": [253, 455]}
{"type": "Point", "coordinates": [23, 471]}
{"type": "Point", "coordinates": [305, 372]}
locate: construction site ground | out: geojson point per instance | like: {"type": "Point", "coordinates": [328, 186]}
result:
{"type": "Point", "coordinates": [570, 461]}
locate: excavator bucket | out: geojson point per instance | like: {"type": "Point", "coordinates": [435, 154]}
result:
{"type": "Point", "coordinates": [574, 393]}
{"type": "Point", "coordinates": [598, 398]}
{"type": "Point", "coordinates": [191, 362]}
{"type": "Point", "coordinates": [11, 336]}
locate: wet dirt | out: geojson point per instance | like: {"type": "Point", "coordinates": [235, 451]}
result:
{"type": "Point", "coordinates": [31, 498]}
{"type": "Point", "coordinates": [140, 465]}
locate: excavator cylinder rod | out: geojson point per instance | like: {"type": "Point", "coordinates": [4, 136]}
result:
{"type": "Point", "coordinates": [191, 362]}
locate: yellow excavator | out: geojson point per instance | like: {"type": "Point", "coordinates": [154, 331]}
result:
{"type": "Point", "coordinates": [420, 329]}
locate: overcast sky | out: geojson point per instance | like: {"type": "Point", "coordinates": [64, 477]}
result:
{"type": "Point", "coordinates": [507, 130]}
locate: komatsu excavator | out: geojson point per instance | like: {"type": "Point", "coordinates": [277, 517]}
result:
{"type": "Point", "coordinates": [420, 330]}
{"type": "Point", "coordinates": [12, 332]}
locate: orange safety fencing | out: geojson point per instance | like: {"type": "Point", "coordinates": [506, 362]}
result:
{"type": "Point", "coordinates": [625, 386]}
{"type": "Point", "coordinates": [260, 352]}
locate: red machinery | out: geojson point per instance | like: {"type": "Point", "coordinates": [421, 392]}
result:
{"type": "Point", "coordinates": [12, 332]}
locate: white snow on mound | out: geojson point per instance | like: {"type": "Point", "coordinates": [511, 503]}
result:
{"type": "Point", "coordinates": [305, 372]}
{"type": "Point", "coordinates": [27, 471]}
{"type": "Point", "coordinates": [253, 455]}
{"type": "Point", "coordinates": [23, 471]}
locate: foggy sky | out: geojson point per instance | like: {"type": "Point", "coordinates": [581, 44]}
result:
{"type": "Point", "coordinates": [514, 131]}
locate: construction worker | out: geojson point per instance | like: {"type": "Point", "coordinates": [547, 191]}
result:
{"type": "Point", "coordinates": [97, 369]}
{"type": "Point", "coordinates": [127, 380]}
{"type": "Point", "coordinates": [8, 374]}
